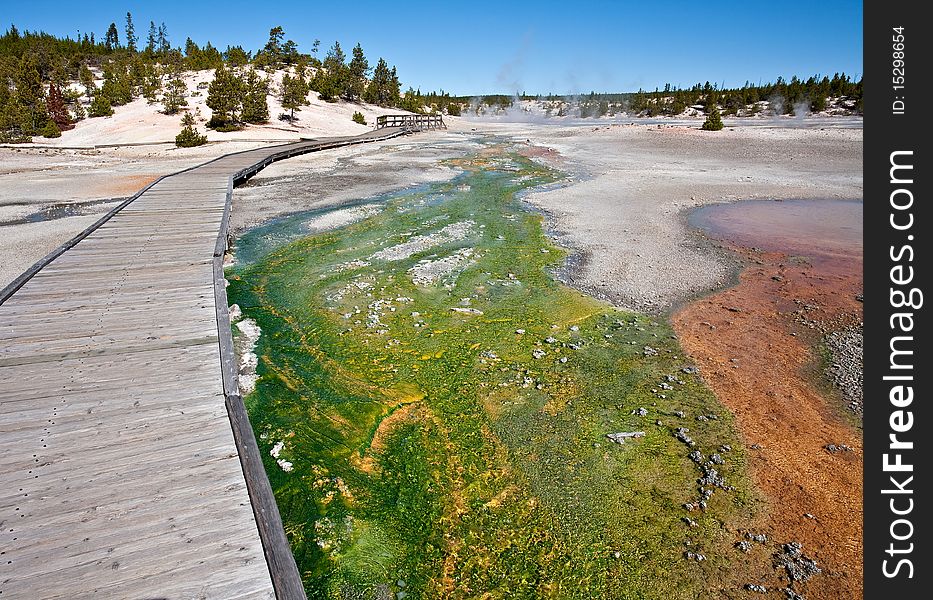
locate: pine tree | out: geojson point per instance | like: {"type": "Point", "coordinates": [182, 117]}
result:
{"type": "Point", "coordinates": [255, 105]}
{"type": "Point", "coordinates": [236, 56]}
{"type": "Point", "coordinates": [713, 120]}
{"type": "Point", "coordinates": [151, 40]}
{"type": "Point", "coordinates": [100, 107]}
{"type": "Point", "coordinates": [30, 96]}
{"type": "Point", "coordinates": [393, 90]}
{"type": "Point", "coordinates": [152, 83]}
{"type": "Point", "coordinates": [290, 53]}
{"type": "Point", "coordinates": [377, 92]}
{"type": "Point", "coordinates": [174, 97]}
{"type": "Point", "coordinates": [56, 108]}
{"type": "Point", "coordinates": [117, 87]}
{"type": "Point", "coordinates": [224, 98]}
{"type": "Point", "coordinates": [51, 130]}
{"type": "Point", "coordinates": [333, 81]}
{"type": "Point", "coordinates": [818, 104]}
{"type": "Point", "coordinates": [130, 33]}
{"type": "Point", "coordinates": [357, 72]}
{"type": "Point", "coordinates": [273, 48]}
{"type": "Point", "coordinates": [87, 80]}
{"type": "Point", "coordinates": [293, 94]}
{"type": "Point", "coordinates": [111, 39]}
{"type": "Point", "coordinates": [412, 101]}
{"type": "Point", "coordinates": [73, 101]}
{"type": "Point", "coordinates": [162, 41]}
{"type": "Point", "coordinates": [189, 136]}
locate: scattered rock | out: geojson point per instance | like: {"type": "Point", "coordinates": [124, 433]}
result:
{"type": "Point", "coordinates": [798, 566]}
{"type": "Point", "coordinates": [757, 537]}
{"type": "Point", "coordinates": [754, 587]}
{"type": "Point", "coordinates": [621, 436]}
{"type": "Point", "coordinates": [694, 556]}
{"type": "Point", "coordinates": [681, 434]}
{"type": "Point", "coordinates": [538, 353]}
{"type": "Point", "coordinates": [833, 448]}
{"type": "Point", "coordinates": [711, 477]}
{"type": "Point", "coordinates": [641, 412]}
{"type": "Point", "coordinates": [743, 546]}
{"type": "Point", "coordinates": [690, 370]}
{"type": "Point", "coordinates": [845, 370]}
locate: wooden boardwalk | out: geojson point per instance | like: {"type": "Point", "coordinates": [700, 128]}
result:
{"type": "Point", "coordinates": [127, 467]}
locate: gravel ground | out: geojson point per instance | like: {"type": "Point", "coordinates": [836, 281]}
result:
{"type": "Point", "coordinates": [345, 175]}
{"type": "Point", "coordinates": [624, 213]}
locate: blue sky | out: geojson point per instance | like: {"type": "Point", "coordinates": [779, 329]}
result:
{"type": "Point", "coordinates": [508, 46]}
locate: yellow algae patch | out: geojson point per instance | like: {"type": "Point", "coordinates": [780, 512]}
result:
{"type": "Point", "coordinates": [403, 393]}
{"type": "Point", "coordinates": [493, 402]}
{"type": "Point", "coordinates": [502, 496]}
{"type": "Point", "coordinates": [559, 396]}
{"type": "Point", "coordinates": [405, 412]}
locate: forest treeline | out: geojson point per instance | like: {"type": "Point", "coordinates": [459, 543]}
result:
{"type": "Point", "coordinates": [784, 97]}
{"type": "Point", "coordinates": [37, 71]}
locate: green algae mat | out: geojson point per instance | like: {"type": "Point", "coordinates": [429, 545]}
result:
{"type": "Point", "coordinates": [433, 409]}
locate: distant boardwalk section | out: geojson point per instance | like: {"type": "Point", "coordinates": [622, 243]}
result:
{"type": "Point", "coordinates": [127, 467]}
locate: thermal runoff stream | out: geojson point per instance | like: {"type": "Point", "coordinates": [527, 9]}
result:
{"type": "Point", "coordinates": [433, 408]}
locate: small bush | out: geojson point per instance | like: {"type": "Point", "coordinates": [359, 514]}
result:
{"type": "Point", "coordinates": [51, 130]}
{"type": "Point", "coordinates": [189, 137]}
{"type": "Point", "coordinates": [100, 107]}
{"type": "Point", "coordinates": [713, 121]}
{"type": "Point", "coordinates": [359, 118]}
{"type": "Point", "coordinates": [219, 123]}
{"type": "Point", "coordinates": [453, 110]}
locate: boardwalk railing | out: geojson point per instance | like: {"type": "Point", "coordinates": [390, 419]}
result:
{"type": "Point", "coordinates": [411, 121]}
